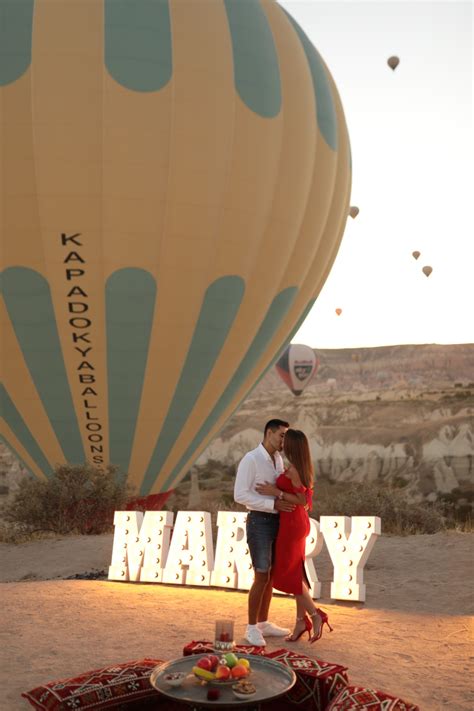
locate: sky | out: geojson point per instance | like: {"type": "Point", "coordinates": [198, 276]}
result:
{"type": "Point", "coordinates": [412, 152]}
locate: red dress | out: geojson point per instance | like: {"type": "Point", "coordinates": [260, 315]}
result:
{"type": "Point", "coordinates": [288, 569]}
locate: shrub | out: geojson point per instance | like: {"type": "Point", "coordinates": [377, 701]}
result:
{"type": "Point", "coordinates": [399, 515]}
{"type": "Point", "coordinates": [458, 507]}
{"type": "Point", "coordinates": [75, 499]}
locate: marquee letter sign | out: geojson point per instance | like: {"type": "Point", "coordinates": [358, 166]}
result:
{"type": "Point", "coordinates": [191, 554]}
{"type": "Point", "coordinates": [232, 567]}
{"type": "Point", "coordinates": [141, 545]}
{"type": "Point", "coordinates": [314, 546]}
{"type": "Point", "coordinates": [148, 548]}
{"type": "Point", "coordinates": [349, 542]}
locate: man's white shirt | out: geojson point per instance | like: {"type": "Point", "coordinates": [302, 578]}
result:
{"type": "Point", "coordinates": [257, 467]}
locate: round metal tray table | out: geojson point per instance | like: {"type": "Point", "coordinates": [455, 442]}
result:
{"type": "Point", "coordinates": [271, 679]}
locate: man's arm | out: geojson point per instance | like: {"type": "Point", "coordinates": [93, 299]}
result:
{"type": "Point", "coordinates": [244, 488]}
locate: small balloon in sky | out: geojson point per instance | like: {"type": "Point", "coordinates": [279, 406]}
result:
{"type": "Point", "coordinates": [339, 312]}
{"type": "Point", "coordinates": [354, 211]}
{"type": "Point", "coordinates": [415, 254]}
{"type": "Point", "coordinates": [427, 271]}
{"type": "Point", "coordinates": [393, 62]}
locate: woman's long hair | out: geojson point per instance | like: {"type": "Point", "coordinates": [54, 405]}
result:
{"type": "Point", "coordinates": [296, 449]}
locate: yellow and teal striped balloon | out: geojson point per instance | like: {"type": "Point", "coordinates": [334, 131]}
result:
{"type": "Point", "coordinates": [175, 185]}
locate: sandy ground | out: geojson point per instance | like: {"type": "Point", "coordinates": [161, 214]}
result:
{"type": "Point", "coordinates": [413, 636]}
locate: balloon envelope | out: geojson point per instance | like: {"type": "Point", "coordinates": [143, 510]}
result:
{"type": "Point", "coordinates": [415, 254]}
{"type": "Point", "coordinates": [393, 62]}
{"type": "Point", "coordinates": [338, 312]}
{"type": "Point", "coordinates": [297, 366]}
{"type": "Point", "coordinates": [427, 271]}
{"type": "Point", "coordinates": [176, 181]}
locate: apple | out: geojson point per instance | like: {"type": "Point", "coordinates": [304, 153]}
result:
{"type": "Point", "coordinates": [239, 671]}
{"type": "Point", "coordinates": [204, 663]}
{"type": "Point", "coordinates": [231, 659]}
{"type": "Point", "coordinates": [222, 673]}
{"type": "Point", "coordinates": [214, 661]}
{"type": "Point", "coordinates": [213, 694]}
{"type": "Point", "coordinates": [244, 662]}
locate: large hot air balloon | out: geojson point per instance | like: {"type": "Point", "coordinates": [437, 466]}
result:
{"type": "Point", "coordinates": [176, 182]}
{"type": "Point", "coordinates": [297, 366]}
{"type": "Point", "coordinates": [415, 254]}
{"type": "Point", "coordinates": [427, 271]}
{"type": "Point", "coordinates": [354, 211]}
{"type": "Point", "coordinates": [393, 62]}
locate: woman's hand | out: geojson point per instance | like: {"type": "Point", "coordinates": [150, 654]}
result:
{"type": "Point", "coordinates": [267, 489]}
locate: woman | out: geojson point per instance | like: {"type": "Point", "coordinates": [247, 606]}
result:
{"type": "Point", "coordinates": [295, 485]}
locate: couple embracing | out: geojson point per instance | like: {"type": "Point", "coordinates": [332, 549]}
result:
{"type": "Point", "coordinates": [278, 500]}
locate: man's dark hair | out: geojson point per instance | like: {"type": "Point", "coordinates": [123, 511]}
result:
{"type": "Point", "coordinates": [275, 425]}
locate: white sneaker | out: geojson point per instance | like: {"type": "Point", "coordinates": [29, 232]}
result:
{"type": "Point", "coordinates": [254, 636]}
{"type": "Point", "coordinates": [268, 629]}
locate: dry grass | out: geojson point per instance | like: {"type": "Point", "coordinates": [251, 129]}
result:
{"type": "Point", "coordinates": [399, 516]}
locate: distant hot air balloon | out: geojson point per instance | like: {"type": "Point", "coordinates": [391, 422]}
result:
{"type": "Point", "coordinates": [166, 225]}
{"type": "Point", "coordinates": [393, 62]}
{"type": "Point", "coordinates": [339, 312]}
{"type": "Point", "coordinates": [427, 271]}
{"type": "Point", "coordinates": [297, 366]}
{"type": "Point", "coordinates": [354, 211]}
{"type": "Point", "coordinates": [415, 254]}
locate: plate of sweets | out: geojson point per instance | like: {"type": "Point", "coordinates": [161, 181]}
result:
{"type": "Point", "coordinates": [243, 689]}
{"type": "Point", "coordinates": [222, 671]}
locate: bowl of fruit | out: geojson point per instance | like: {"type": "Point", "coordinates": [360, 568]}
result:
{"type": "Point", "coordinates": [224, 670]}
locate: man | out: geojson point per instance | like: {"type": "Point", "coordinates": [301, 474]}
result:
{"type": "Point", "coordinates": [263, 464]}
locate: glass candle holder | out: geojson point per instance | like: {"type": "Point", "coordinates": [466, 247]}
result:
{"type": "Point", "coordinates": [224, 636]}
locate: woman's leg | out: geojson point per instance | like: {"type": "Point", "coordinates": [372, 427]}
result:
{"type": "Point", "coordinates": [300, 608]}
{"type": "Point", "coordinates": [305, 607]}
{"type": "Point", "coordinates": [301, 624]}
{"type": "Point", "coordinates": [308, 606]}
